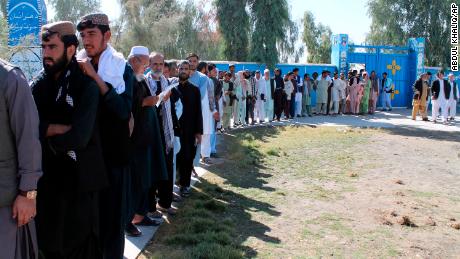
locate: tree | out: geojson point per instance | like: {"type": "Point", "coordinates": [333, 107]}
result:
{"type": "Point", "coordinates": [3, 7]}
{"type": "Point", "coordinates": [4, 51]}
{"type": "Point", "coordinates": [270, 20]}
{"type": "Point", "coordinates": [317, 39]}
{"type": "Point", "coordinates": [234, 25]}
{"type": "Point", "coordinates": [73, 10]}
{"type": "Point", "coordinates": [395, 21]}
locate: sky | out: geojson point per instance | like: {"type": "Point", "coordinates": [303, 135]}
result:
{"type": "Point", "coordinates": [349, 17]}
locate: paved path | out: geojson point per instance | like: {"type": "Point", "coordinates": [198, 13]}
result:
{"type": "Point", "coordinates": [394, 119]}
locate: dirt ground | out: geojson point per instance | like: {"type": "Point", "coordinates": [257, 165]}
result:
{"type": "Point", "coordinates": [303, 192]}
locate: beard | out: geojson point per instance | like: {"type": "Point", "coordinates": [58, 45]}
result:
{"type": "Point", "coordinates": [183, 77]}
{"type": "Point", "coordinates": [57, 66]}
{"type": "Point", "coordinates": [158, 74]}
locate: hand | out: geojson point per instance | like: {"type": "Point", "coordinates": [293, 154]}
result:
{"type": "Point", "coordinates": [150, 101]}
{"type": "Point", "coordinates": [57, 129]}
{"type": "Point", "coordinates": [216, 116]}
{"type": "Point", "coordinates": [198, 138]}
{"type": "Point", "coordinates": [87, 68]}
{"type": "Point", "coordinates": [167, 95]}
{"type": "Point", "coordinates": [131, 124]}
{"type": "Point", "coordinates": [24, 210]}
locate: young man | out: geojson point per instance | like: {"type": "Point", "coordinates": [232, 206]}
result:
{"type": "Point", "coordinates": [269, 90]}
{"type": "Point", "coordinates": [148, 164]}
{"type": "Point", "coordinates": [322, 95]}
{"type": "Point", "coordinates": [229, 100]}
{"type": "Point", "coordinates": [441, 93]}
{"type": "Point", "coordinates": [298, 93]}
{"type": "Point", "coordinates": [260, 95]}
{"type": "Point", "coordinates": [20, 162]}
{"type": "Point", "coordinates": [277, 83]}
{"type": "Point", "coordinates": [387, 90]}
{"type": "Point", "coordinates": [306, 95]}
{"type": "Point", "coordinates": [212, 74]}
{"type": "Point", "coordinates": [191, 128]}
{"type": "Point", "coordinates": [335, 93]}
{"type": "Point", "coordinates": [342, 85]}
{"type": "Point", "coordinates": [114, 78]}
{"type": "Point", "coordinates": [453, 97]}
{"type": "Point", "coordinates": [209, 111]}
{"type": "Point", "coordinates": [67, 102]}
{"type": "Point", "coordinates": [421, 92]}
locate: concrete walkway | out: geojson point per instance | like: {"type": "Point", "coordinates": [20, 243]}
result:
{"type": "Point", "coordinates": [397, 118]}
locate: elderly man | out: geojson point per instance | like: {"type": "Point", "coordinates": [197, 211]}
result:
{"type": "Point", "coordinates": [148, 163]}
{"type": "Point", "coordinates": [67, 102]}
{"type": "Point", "coordinates": [260, 96]}
{"type": "Point", "coordinates": [453, 97]}
{"type": "Point", "coordinates": [114, 79]}
{"type": "Point", "coordinates": [20, 163]}
{"type": "Point", "coordinates": [158, 84]}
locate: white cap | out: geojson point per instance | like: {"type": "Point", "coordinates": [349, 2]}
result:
{"type": "Point", "coordinates": [139, 50]}
{"type": "Point", "coordinates": [451, 74]}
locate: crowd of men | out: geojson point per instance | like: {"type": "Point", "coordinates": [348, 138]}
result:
{"type": "Point", "coordinates": [90, 150]}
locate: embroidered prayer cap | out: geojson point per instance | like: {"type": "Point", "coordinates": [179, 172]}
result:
{"type": "Point", "coordinates": [63, 28]}
{"type": "Point", "coordinates": [450, 74]}
{"type": "Point", "coordinates": [139, 51]}
{"type": "Point", "coordinates": [93, 20]}
{"type": "Point", "coordinates": [257, 71]}
{"type": "Point", "coordinates": [231, 65]}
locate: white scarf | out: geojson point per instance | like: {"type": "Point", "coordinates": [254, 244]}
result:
{"type": "Point", "coordinates": [167, 122]}
{"type": "Point", "coordinates": [111, 67]}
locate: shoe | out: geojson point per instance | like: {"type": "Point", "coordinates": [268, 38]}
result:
{"type": "Point", "coordinates": [390, 109]}
{"type": "Point", "coordinates": [156, 215]}
{"type": "Point", "coordinates": [214, 155]}
{"type": "Point", "coordinates": [177, 199]}
{"type": "Point", "coordinates": [425, 119]}
{"type": "Point", "coordinates": [147, 221]}
{"type": "Point", "coordinates": [309, 115]}
{"type": "Point", "coordinates": [206, 160]}
{"type": "Point", "coordinates": [171, 211]}
{"type": "Point", "coordinates": [132, 231]}
{"type": "Point", "coordinates": [185, 191]}
{"type": "Point", "coordinates": [194, 173]}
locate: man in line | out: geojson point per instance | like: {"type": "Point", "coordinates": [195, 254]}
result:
{"type": "Point", "coordinates": [297, 90]}
{"type": "Point", "coordinates": [217, 95]}
{"type": "Point", "coordinates": [342, 93]}
{"type": "Point", "coordinates": [298, 93]}
{"type": "Point", "coordinates": [269, 93]}
{"type": "Point", "coordinates": [67, 102]}
{"type": "Point", "coordinates": [387, 90]}
{"type": "Point", "coordinates": [441, 93]}
{"type": "Point", "coordinates": [453, 97]}
{"type": "Point", "coordinates": [421, 92]}
{"type": "Point", "coordinates": [191, 128]}
{"type": "Point", "coordinates": [208, 107]}
{"type": "Point", "coordinates": [148, 163]}
{"type": "Point", "coordinates": [250, 94]}
{"type": "Point", "coordinates": [260, 96]}
{"type": "Point", "coordinates": [20, 162]}
{"type": "Point", "coordinates": [277, 83]}
{"type": "Point", "coordinates": [229, 100]}
{"type": "Point", "coordinates": [321, 94]}
{"type": "Point", "coordinates": [158, 84]}
{"type": "Point", "coordinates": [335, 93]}
{"type": "Point", "coordinates": [114, 78]}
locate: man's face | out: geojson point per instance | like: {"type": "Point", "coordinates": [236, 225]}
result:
{"type": "Point", "coordinates": [184, 72]}
{"type": "Point", "coordinates": [267, 75]}
{"type": "Point", "coordinates": [342, 76]}
{"type": "Point", "coordinates": [157, 64]}
{"type": "Point", "coordinates": [257, 76]}
{"type": "Point", "coordinates": [324, 75]}
{"type": "Point", "coordinates": [213, 72]}
{"type": "Point", "coordinates": [166, 72]}
{"type": "Point", "coordinates": [296, 73]}
{"type": "Point", "coordinates": [384, 75]}
{"type": "Point", "coordinates": [193, 63]}
{"type": "Point", "coordinates": [336, 76]}
{"type": "Point", "coordinates": [373, 74]}
{"type": "Point", "coordinates": [277, 72]}
{"type": "Point", "coordinates": [139, 63]}
{"type": "Point", "coordinates": [228, 77]}
{"type": "Point", "coordinates": [232, 69]}
{"type": "Point", "coordinates": [94, 41]}
{"type": "Point", "coordinates": [451, 77]}
{"type": "Point", "coordinates": [55, 57]}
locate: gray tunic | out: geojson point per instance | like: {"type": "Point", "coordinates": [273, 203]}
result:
{"type": "Point", "coordinates": [23, 122]}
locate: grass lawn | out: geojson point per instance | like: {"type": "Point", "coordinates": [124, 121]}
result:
{"type": "Point", "coordinates": [302, 192]}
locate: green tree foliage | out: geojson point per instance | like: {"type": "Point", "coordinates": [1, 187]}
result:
{"type": "Point", "coordinates": [168, 27]}
{"type": "Point", "coordinates": [73, 10]}
{"type": "Point", "coordinates": [3, 7]}
{"type": "Point", "coordinates": [234, 25]}
{"type": "Point", "coordinates": [395, 21]}
{"type": "Point", "coordinates": [4, 51]}
{"type": "Point", "coordinates": [317, 38]}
